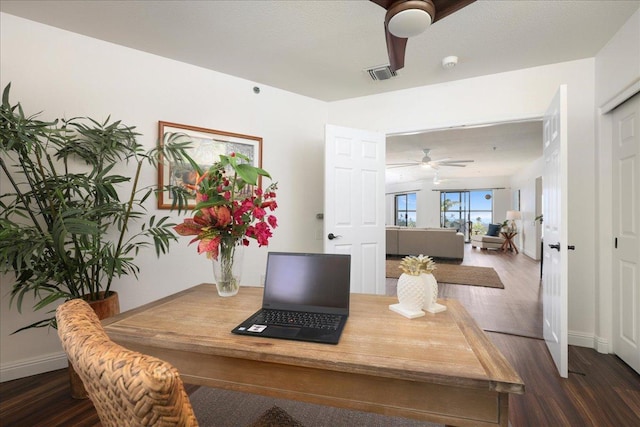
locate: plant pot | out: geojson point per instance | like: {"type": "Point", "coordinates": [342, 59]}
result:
{"type": "Point", "coordinates": [104, 308]}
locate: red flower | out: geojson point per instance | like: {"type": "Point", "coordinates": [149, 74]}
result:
{"type": "Point", "coordinates": [271, 204]}
{"type": "Point", "coordinates": [188, 228]}
{"type": "Point", "coordinates": [259, 213]}
{"type": "Point", "coordinates": [221, 215]}
{"type": "Point", "coordinates": [228, 207]}
{"type": "Point", "coordinates": [210, 246]}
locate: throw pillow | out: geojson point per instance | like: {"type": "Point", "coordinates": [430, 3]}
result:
{"type": "Point", "coordinates": [494, 230]}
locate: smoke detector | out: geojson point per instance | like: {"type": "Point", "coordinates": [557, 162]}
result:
{"type": "Point", "coordinates": [449, 62]}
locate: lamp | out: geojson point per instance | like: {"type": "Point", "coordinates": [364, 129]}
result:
{"type": "Point", "coordinates": [512, 216]}
{"type": "Point", "coordinates": [410, 18]}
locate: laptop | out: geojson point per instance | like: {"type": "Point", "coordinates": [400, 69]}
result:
{"type": "Point", "coordinates": [306, 298]}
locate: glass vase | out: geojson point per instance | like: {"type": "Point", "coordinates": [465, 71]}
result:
{"type": "Point", "coordinates": [227, 269]}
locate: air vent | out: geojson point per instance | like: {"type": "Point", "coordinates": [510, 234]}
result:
{"type": "Point", "coordinates": [381, 73]}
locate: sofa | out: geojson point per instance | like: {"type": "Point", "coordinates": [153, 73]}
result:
{"type": "Point", "coordinates": [433, 242]}
{"type": "Point", "coordinates": [491, 240]}
{"type": "Point", "coordinates": [484, 241]}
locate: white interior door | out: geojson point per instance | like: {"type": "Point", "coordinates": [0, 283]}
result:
{"type": "Point", "coordinates": [555, 279]}
{"type": "Point", "coordinates": [354, 204]}
{"type": "Point", "coordinates": [626, 226]}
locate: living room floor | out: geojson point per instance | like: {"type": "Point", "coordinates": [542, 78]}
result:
{"type": "Point", "coordinates": [601, 389]}
{"type": "Point", "coordinates": [516, 309]}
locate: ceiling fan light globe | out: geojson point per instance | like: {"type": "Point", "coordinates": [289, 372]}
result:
{"type": "Point", "coordinates": [409, 23]}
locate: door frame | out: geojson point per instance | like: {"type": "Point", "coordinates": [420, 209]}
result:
{"type": "Point", "coordinates": [468, 125]}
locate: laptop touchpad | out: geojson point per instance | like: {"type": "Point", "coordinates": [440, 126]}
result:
{"type": "Point", "coordinates": [283, 331]}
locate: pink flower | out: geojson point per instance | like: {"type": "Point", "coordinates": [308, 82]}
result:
{"type": "Point", "coordinates": [273, 221]}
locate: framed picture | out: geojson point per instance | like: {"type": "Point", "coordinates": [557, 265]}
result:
{"type": "Point", "coordinates": [207, 146]}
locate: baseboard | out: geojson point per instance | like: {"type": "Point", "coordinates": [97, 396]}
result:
{"type": "Point", "coordinates": [581, 339]}
{"type": "Point", "coordinates": [530, 255]}
{"type": "Point", "coordinates": [602, 345]}
{"type": "Point", "coordinates": [33, 366]}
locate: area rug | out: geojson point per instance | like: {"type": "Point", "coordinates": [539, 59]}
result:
{"type": "Point", "coordinates": [226, 408]}
{"type": "Point", "coordinates": [455, 274]}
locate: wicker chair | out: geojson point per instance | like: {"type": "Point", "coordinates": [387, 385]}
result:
{"type": "Point", "coordinates": [126, 387]}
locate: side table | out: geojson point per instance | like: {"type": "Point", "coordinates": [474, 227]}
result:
{"type": "Point", "coordinates": [508, 242]}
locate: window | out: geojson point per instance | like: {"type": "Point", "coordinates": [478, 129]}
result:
{"type": "Point", "coordinates": [406, 209]}
{"type": "Point", "coordinates": [466, 211]}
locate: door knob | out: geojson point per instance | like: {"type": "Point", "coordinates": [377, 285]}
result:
{"type": "Point", "coordinates": [332, 236]}
{"type": "Point", "coordinates": [556, 246]}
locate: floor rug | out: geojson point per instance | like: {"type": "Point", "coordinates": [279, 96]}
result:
{"type": "Point", "coordinates": [455, 274]}
{"type": "Point", "coordinates": [226, 408]}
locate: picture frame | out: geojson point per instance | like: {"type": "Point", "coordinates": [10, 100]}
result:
{"type": "Point", "coordinates": [207, 146]}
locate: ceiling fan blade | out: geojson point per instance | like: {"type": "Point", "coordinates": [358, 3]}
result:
{"type": "Point", "coordinates": [396, 47]}
{"type": "Point", "coordinates": [401, 165]}
{"type": "Point", "coordinates": [453, 164]}
{"type": "Point", "coordinates": [445, 8]}
{"type": "Point", "coordinates": [384, 3]}
{"type": "Point", "coordinates": [456, 161]}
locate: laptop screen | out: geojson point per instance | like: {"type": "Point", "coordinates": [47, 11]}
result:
{"type": "Point", "coordinates": [307, 282]}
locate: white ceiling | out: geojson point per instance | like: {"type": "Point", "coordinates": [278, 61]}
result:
{"type": "Point", "coordinates": [496, 150]}
{"type": "Point", "coordinates": [321, 48]}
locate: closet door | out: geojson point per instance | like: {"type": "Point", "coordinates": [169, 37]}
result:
{"type": "Point", "coordinates": [626, 229]}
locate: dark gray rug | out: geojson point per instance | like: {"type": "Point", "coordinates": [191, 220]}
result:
{"type": "Point", "coordinates": [226, 408]}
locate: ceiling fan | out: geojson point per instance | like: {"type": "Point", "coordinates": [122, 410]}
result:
{"type": "Point", "coordinates": [408, 18]}
{"type": "Point", "coordinates": [427, 161]}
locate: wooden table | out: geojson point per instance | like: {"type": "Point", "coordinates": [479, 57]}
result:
{"type": "Point", "coordinates": [508, 243]}
{"type": "Point", "coordinates": [440, 367]}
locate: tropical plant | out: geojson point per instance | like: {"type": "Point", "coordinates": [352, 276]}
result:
{"type": "Point", "coordinates": [65, 232]}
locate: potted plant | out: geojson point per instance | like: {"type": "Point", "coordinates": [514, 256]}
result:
{"type": "Point", "coordinates": [66, 216]}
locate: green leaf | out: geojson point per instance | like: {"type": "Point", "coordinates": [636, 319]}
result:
{"type": "Point", "coordinates": [248, 173]}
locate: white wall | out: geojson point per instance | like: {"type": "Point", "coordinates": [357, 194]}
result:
{"type": "Point", "coordinates": [66, 74]}
{"type": "Point", "coordinates": [525, 181]}
{"type": "Point", "coordinates": [500, 97]}
{"type": "Point", "coordinates": [617, 77]}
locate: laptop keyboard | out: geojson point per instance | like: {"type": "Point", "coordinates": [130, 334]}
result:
{"type": "Point", "coordinates": [299, 319]}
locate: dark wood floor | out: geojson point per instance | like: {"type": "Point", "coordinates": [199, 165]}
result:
{"type": "Point", "coordinates": [600, 391]}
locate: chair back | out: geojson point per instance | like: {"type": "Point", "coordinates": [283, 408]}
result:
{"type": "Point", "coordinates": [126, 387]}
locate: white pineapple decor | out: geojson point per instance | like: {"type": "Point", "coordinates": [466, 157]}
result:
{"type": "Point", "coordinates": [413, 295]}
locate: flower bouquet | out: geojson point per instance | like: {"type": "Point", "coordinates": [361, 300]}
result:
{"type": "Point", "coordinates": [230, 209]}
